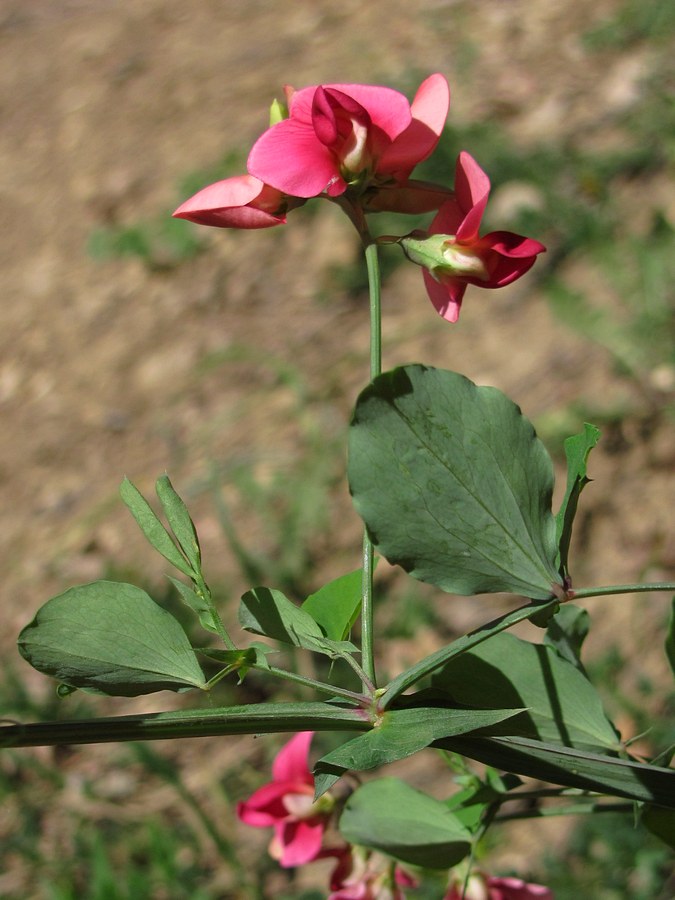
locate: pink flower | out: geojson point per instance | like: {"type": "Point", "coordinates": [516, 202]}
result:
{"type": "Point", "coordinates": [287, 805]}
{"type": "Point", "coordinates": [239, 202]}
{"type": "Point", "coordinates": [481, 887]}
{"type": "Point", "coordinates": [362, 875]}
{"type": "Point", "coordinates": [355, 136]}
{"type": "Point", "coordinates": [453, 253]}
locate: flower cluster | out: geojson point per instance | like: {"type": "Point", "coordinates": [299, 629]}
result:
{"type": "Point", "coordinates": [357, 145]}
{"type": "Point", "coordinates": [286, 804]}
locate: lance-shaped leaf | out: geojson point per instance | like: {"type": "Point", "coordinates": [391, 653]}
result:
{"type": "Point", "coordinates": [179, 519]}
{"type": "Point", "coordinates": [112, 638]}
{"type": "Point", "coordinates": [569, 767]}
{"type": "Point", "coordinates": [562, 705]}
{"type": "Point", "coordinates": [152, 528]}
{"type": "Point", "coordinates": [400, 733]}
{"type": "Point", "coordinates": [390, 816]}
{"type": "Point", "coordinates": [577, 449]}
{"type": "Point", "coordinates": [270, 613]}
{"type": "Point", "coordinates": [453, 484]}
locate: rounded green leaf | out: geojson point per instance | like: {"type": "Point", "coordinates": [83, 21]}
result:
{"type": "Point", "coordinates": [453, 484]}
{"type": "Point", "coordinates": [389, 815]}
{"type": "Point", "coordinates": [113, 638]}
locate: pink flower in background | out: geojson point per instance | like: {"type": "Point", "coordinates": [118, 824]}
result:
{"type": "Point", "coordinates": [287, 805]}
{"type": "Point", "coordinates": [453, 253]}
{"type": "Point", "coordinates": [363, 875]}
{"type": "Point", "coordinates": [239, 202]}
{"type": "Point", "coordinates": [486, 888]}
{"type": "Point", "coordinates": [350, 135]}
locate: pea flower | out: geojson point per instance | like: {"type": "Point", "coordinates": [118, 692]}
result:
{"type": "Point", "coordinates": [239, 202]}
{"type": "Point", "coordinates": [481, 887]}
{"type": "Point", "coordinates": [352, 136]}
{"type": "Point", "coordinates": [454, 255]}
{"type": "Point", "coordinates": [362, 875]}
{"type": "Point", "coordinates": [287, 805]}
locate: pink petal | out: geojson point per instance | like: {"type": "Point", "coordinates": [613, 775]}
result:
{"type": "Point", "coordinates": [290, 157]}
{"type": "Point", "coordinates": [448, 219]}
{"type": "Point", "coordinates": [514, 245]}
{"type": "Point", "coordinates": [429, 111]}
{"type": "Point", "coordinates": [225, 204]}
{"type": "Point", "coordinates": [388, 109]}
{"type": "Point", "coordinates": [300, 841]}
{"type": "Point", "coordinates": [507, 256]}
{"type": "Point", "coordinates": [265, 807]}
{"type": "Point", "coordinates": [290, 764]}
{"type": "Point", "coordinates": [515, 889]}
{"type": "Point", "coordinates": [472, 189]}
{"type": "Point", "coordinates": [446, 298]}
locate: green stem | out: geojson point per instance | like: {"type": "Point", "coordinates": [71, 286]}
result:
{"type": "Point", "coordinates": [583, 593]}
{"type": "Point", "coordinates": [330, 689]}
{"type": "Point", "coordinates": [204, 592]}
{"type": "Point", "coordinates": [576, 809]}
{"type": "Point", "coordinates": [367, 614]}
{"type": "Point", "coordinates": [259, 718]}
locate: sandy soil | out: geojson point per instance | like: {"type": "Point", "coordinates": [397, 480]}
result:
{"type": "Point", "coordinates": [109, 368]}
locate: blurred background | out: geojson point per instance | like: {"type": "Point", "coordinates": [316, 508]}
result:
{"type": "Point", "coordinates": [133, 344]}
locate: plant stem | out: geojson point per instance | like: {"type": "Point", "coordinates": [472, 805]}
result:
{"type": "Point", "coordinates": [583, 593]}
{"type": "Point", "coordinates": [320, 686]}
{"type": "Point", "coordinates": [260, 718]}
{"type": "Point", "coordinates": [367, 616]}
{"type": "Point", "coordinates": [204, 592]}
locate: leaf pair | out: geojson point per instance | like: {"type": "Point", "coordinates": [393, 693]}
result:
{"type": "Point", "coordinates": [112, 637]}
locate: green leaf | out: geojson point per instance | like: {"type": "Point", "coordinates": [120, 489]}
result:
{"type": "Point", "coordinates": [335, 606]}
{"type": "Point", "coordinates": [112, 638]}
{"type": "Point", "coordinates": [179, 519]}
{"type": "Point", "coordinates": [569, 767]}
{"type": "Point", "coordinates": [660, 822]}
{"type": "Point", "coordinates": [463, 644]}
{"type": "Point", "coordinates": [562, 705]}
{"type": "Point", "coordinates": [577, 449]}
{"type": "Point", "coordinates": [152, 528]}
{"type": "Point", "coordinates": [270, 613]}
{"type": "Point", "coordinates": [567, 631]}
{"type": "Point", "coordinates": [390, 816]}
{"type": "Point", "coordinates": [670, 638]}
{"type": "Point", "coordinates": [198, 604]}
{"type": "Point", "coordinates": [453, 484]}
{"type": "Point", "coordinates": [400, 733]}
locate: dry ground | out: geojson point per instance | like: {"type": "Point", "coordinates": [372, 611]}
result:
{"type": "Point", "coordinates": [103, 365]}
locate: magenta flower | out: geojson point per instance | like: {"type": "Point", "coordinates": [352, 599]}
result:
{"type": "Point", "coordinates": [481, 887]}
{"type": "Point", "coordinates": [453, 253]}
{"type": "Point", "coordinates": [239, 202]}
{"type": "Point", "coordinates": [363, 875]}
{"type": "Point", "coordinates": [356, 136]}
{"type": "Point", "coordinates": [287, 805]}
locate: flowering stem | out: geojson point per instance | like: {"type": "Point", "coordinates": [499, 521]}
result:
{"type": "Point", "coordinates": [583, 593]}
{"type": "Point", "coordinates": [367, 617]}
